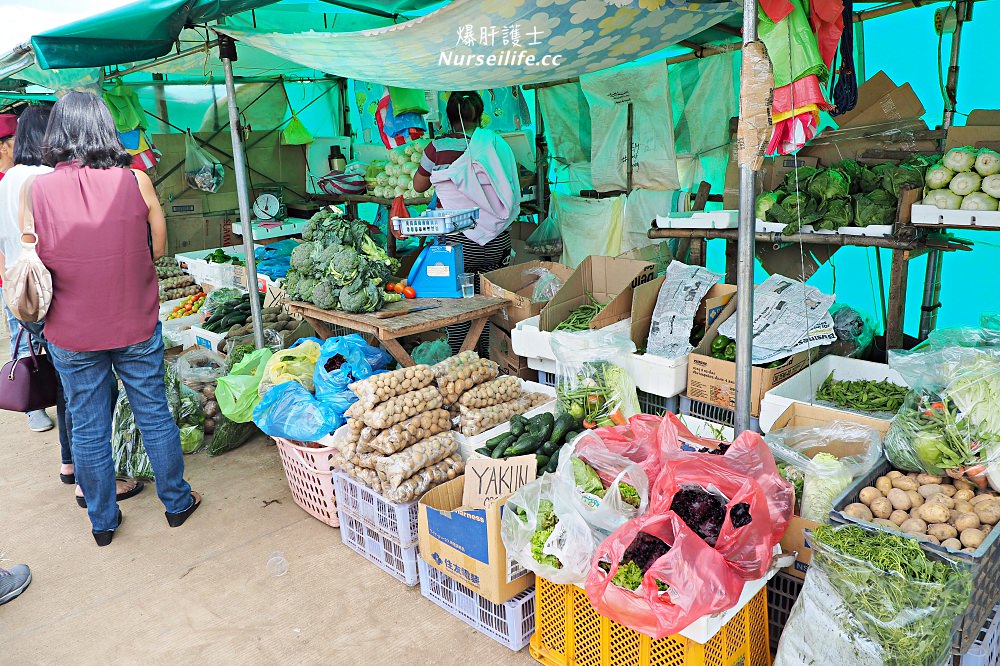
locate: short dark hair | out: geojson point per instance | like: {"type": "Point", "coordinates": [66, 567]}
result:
{"type": "Point", "coordinates": [30, 135]}
{"type": "Point", "coordinates": [464, 110]}
{"type": "Point", "coordinates": [82, 130]}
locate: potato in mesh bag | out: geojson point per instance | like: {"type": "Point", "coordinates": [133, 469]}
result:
{"type": "Point", "coordinates": [501, 389]}
{"type": "Point", "coordinates": [460, 379]}
{"type": "Point", "coordinates": [398, 437]}
{"type": "Point", "coordinates": [425, 479]}
{"type": "Point", "coordinates": [400, 466]}
{"type": "Point", "coordinates": [366, 477]}
{"type": "Point", "coordinates": [402, 407]}
{"type": "Point", "coordinates": [452, 362]}
{"type": "Point", "coordinates": [379, 388]}
{"type": "Point", "coordinates": [475, 421]}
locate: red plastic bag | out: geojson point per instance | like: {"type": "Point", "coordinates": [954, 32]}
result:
{"type": "Point", "coordinates": [398, 209]}
{"type": "Point", "coordinates": [746, 537]}
{"type": "Point", "coordinates": [638, 441]}
{"type": "Point", "coordinates": [748, 455]}
{"type": "Point", "coordinates": [700, 580]}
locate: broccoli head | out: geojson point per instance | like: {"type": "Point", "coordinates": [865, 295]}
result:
{"type": "Point", "coordinates": [291, 282]}
{"type": "Point", "coordinates": [326, 295]}
{"type": "Point", "coordinates": [360, 296]}
{"type": "Point", "coordinates": [305, 289]}
{"type": "Point", "coordinates": [538, 540]}
{"type": "Point", "coordinates": [302, 258]}
{"type": "Point", "coordinates": [345, 267]}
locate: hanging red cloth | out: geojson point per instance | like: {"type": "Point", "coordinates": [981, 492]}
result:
{"type": "Point", "coordinates": [776, 10]}
{"type": "Point", "coordinates": [795, 114]}
{"type": "Point", "coordinates": [827, 20]}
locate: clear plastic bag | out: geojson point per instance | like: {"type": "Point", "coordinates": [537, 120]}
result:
{"type": "Point", "coordinates": [418, 484]}
{"type": "Point", "coordinates": [546, 241]}
{"type": "Point", "coordinates": [610, 489]}
{"type": "Point", "coordinates": [401, 466]}
{"type": "Point", "coordinates": [830, 455]}
{"type": "Point", "coordinates": [291, 365]}
{"type": "Point", "coordinates": [543, 531]}
{"type": "Point", "coordinates": [431, 352]}
{"type": "Point", "coordinates": [402, 407]}
{"type": "Point", "coordinates": [200, 367]}
{"type": "Point", "coordinates": [887, 614]}
{"type": "Point", "coordinates": [127, 451]}
{"type": "Point", "coordinates": [366, 477]}
{"type": "Point", "coordinates": [854, 329]}
{"type": "Point", "coordinates": [547, 284]}
{"type": "Point", "coordinates": [592, 382]}
{"type": "Point", "coordinates": [289, 410]}
{"type": "Point", "coordinates": [474, 421]}
{"type": "Point", "coordinates": [237, 392]}
{"type": "Point", "coordinates": [698, 580]}
{"type": "Point", "coordinates": [216, 299]}
{"type": "Point", "coordinates": [452, 362]}
{"type": "Point", "coordinates": [387, 385]}
{"type": "Point", "coordinates": [502, 389]}
{"type": "Point", "coordinates": [398, 437]}
{"type": "Point", "coordinates": [459, 379]}
{"type": "Point", "coordinates": [201, 170]}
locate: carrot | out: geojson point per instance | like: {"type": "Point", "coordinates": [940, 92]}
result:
{"type": "Point", "coordinates": [589, 425]}
{"type": "Point", "coordinates": [618, 418]}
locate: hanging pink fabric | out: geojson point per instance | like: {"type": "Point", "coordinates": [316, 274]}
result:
{"type": "Point", "coordinates": [827, 20]}
{"type": "Point", "coordinates": [795, 112]}
{"type": "Point", "coordinates": [792, 134]}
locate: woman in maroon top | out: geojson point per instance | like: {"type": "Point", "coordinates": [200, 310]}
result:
{"type": "Point", "coordinates": [99, 227]}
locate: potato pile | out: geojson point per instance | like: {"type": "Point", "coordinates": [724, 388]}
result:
{"type": "Point", "coordinates": [474, 421]}
{"type": "Point", "coordinates": [954, 513]}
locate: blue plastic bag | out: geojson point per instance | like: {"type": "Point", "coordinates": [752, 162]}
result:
{"type": "Point", "coordinates": [288, 410]}
{"type": "Point", "coordinates": [341, 362]}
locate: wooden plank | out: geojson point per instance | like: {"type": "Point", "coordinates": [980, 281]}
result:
{"type": "Point", "coordinates": [898, 274]}
{"type": "Point", "coordinates": [472, 337]}
{"type": "Point", "coordinates": [398, 353]}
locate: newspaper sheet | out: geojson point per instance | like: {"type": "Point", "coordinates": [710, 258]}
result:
{"type": "Point", "coordinates": [788, 317]}
{"type": "Point", "coordinates": [676, 305]}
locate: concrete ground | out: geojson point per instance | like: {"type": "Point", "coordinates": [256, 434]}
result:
{"type": "Point", "coordinates": [202, 593]}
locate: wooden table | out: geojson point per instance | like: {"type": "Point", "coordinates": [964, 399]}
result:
{"type": "Point", "coordinates": [449, 311]}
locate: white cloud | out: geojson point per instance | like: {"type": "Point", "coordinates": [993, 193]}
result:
{"type": "Point", "coordinates": [22, 19]}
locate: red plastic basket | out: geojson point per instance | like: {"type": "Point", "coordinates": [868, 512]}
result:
{"type": "Point", "coordinates": [309, 472]}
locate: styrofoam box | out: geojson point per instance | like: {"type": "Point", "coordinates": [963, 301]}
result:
{"type": "Point", "coordinates": [527, 341]}
{"type": "Point", "coordinates": [468, 445]}
{"type": "Point", "coordinates": [874, 230]}
{"type": "Point", "coordinates": [932, 216]}
{"type": "Point", "coordinates": [219, 275]}
{"type": "Point", "coordinates": [707, 626]}
{"type": "Point", "coordinates": [197, 336]}
{"type": "Point", "coordinates": [718, 219]}
{"type": "Point", "coordinates": [763, 227]}
{"type": "Point", "coordinates": [802, 387]}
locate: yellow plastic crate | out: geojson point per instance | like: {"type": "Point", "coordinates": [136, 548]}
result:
{"type": "Point", "coordinates": [569, 632]}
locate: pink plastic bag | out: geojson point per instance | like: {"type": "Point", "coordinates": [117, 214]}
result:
{"type": "Point", "coordinates": [747, 455]}
{"type": "Point", "coordinates": [638, 441]}
{"type": "Point", "coordinates": [700, 580]}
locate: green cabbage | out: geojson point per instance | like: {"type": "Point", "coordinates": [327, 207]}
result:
{"type": "Point", "coordinates": [874, 208]}
{"type": "Point", "coordinates": [896, 177]}
{"type": "Point", "coordinates": [829, 184]}
{"type": "Point", "coordinates": [854, 171]}
{"type": "Point", "coordinates": [836, 213]}
{"type": "Point", "coordinates": [826, 479]}
{"type": "Point", "coordinates": [764, 203]}
{"type": "Point", "coordinates": [586, 479]}
{"type": "Point", "coordinates": [798, 179]}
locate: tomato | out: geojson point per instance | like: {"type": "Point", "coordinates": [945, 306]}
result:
{"type": "Point", "coordinates": [409, 292]}
{"type": "Point", "coordinates": [399, 288]}
{"type": "Point", "coordinates": [390, 287]}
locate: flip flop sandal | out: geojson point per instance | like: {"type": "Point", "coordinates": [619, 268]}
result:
{"type": "Point", "coordinates": [139, 485]}
{"type": "Point", "coordinates": [177, 519]}
{"type": "Point", "coordinates": [68, 479]}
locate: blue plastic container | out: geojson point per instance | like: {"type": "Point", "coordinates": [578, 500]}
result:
{"type": "Point", "coordinates": [435, 273]}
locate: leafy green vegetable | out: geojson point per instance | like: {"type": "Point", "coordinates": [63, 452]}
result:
{"type": "Point", "coordinates": [546, 521]}
{"type": "Point", "coordinates": [836, 213]}
{"type": "Point", "coordinates": [894, 594]}
{"type": "Point", "coordinates": [798, 179]}
{"type": "Point", "coordinates": [900, 176]}
{"type": "Point", "coordinates": [628, 576]}
{"type": "Point", "coordinates": [764, 203]}
{"type": "Point", "coordinates": [829, 184]}
{"type": "Point", "coordinates": [794, 476]}
{"type": "Point", "coordinates": [192, 438]}
{"type": "Point", "coordinates": [586, 479]}
{"type": "Point", "coordinates": [824, 482]}
{"type": "Point", "coordinates": [874, 208]}
{"type": "Point", "coordinates": [236, 355]}
{"type": "Point", "coordinates": [854, 171]}
{"type": "Point", "coordinates": [629, 494]}
{"type": "Point", "coordinates": [870, 180]}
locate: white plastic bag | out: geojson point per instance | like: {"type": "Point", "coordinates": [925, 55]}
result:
{"type": "Point", "coordinates": [547, 284]}
{"type": "Point", "coordinates": [588, 226]}
{"type": "Point", "coordinates": [654, 162]}
{"type": "Point", "coordinates": [624, 491]}
{"type": "Point", "coordinates": [201, 170]}
{"type": "Point", "coordinates": [558, 551]}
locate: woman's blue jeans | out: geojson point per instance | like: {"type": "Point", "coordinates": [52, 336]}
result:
{"type": "Point", "coordinates": [91, 392]}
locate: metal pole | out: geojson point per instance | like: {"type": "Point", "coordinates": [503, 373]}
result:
{"type": "Point", "coordinates": [227, 53]}
{"type": "Point", "coordinates": [745, 261]}
{"type": "Point", "coordinates": [932, 277]}
{"type": "Point", "coordinates": [541, 161]}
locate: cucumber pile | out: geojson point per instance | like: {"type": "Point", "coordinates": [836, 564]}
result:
{"type": "Point", "coordinates": [543, 435]}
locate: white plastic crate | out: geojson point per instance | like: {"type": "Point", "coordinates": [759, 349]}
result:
{"type": "Point", "coordinates": [511, 623]}
{"type": "Point", "coordinates": [397, 522]}
{"type": "Point", "coordinates": [986, 650]}
{"type": "Point", "coordinates": [932, 216]}
{"type": "Point", "coordinates": [713, 414]}
{"type": "Point", "coordinates": [434, 222]}
{"type": "Point", "coordinates": [387, 554]}
{"type": "Point", "coordinates": [802, 387]}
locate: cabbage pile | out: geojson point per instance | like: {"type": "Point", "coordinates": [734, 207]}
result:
{"type": "Point", "coordinates": [340, 266]}
{"type": "Point", "coordinates": [394, 177]}
{"type": "Point", "coordinates": [848, 194]}
{"type": "Point", "coordinates": [966, 179]}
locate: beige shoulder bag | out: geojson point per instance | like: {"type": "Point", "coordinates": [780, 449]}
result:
{"type": "Point", "coordinates": [27, 286]}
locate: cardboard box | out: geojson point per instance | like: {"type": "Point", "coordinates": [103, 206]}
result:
{"type": "Point", "coordinates": [714, 381]}
{"type": "Point", "coordinates": [466, 544]}
{"type": "Point", "coordinates": [644, 302]}
{"type": "Point", "coordinates": [981, 130]}
{"type": "Point", "coordinates": [515, 285]}
{"type": "Point", "coordinates": [658, 254]}
{"type": "Point", "coordinates": [189, 233]}
{"type": "Point", "coordinates": [607, 279]}
{"type": "Point", "coordinates": [802, 415]}
{"type": "Point", "coordinates": [502, 353]}
{"type": "Point", "coordinates": [769, 178]}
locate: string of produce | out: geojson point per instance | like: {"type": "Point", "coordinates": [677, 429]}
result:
{"type": "Point", "coordinates": [579, 319]}
{"type": "Point", "coordinates": [866, 395]}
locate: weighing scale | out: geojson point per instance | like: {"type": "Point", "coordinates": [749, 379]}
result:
{"type": "Point", "coordinates": [435, 273]}
{"type": "Point", "coordinates": [269, 206]}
